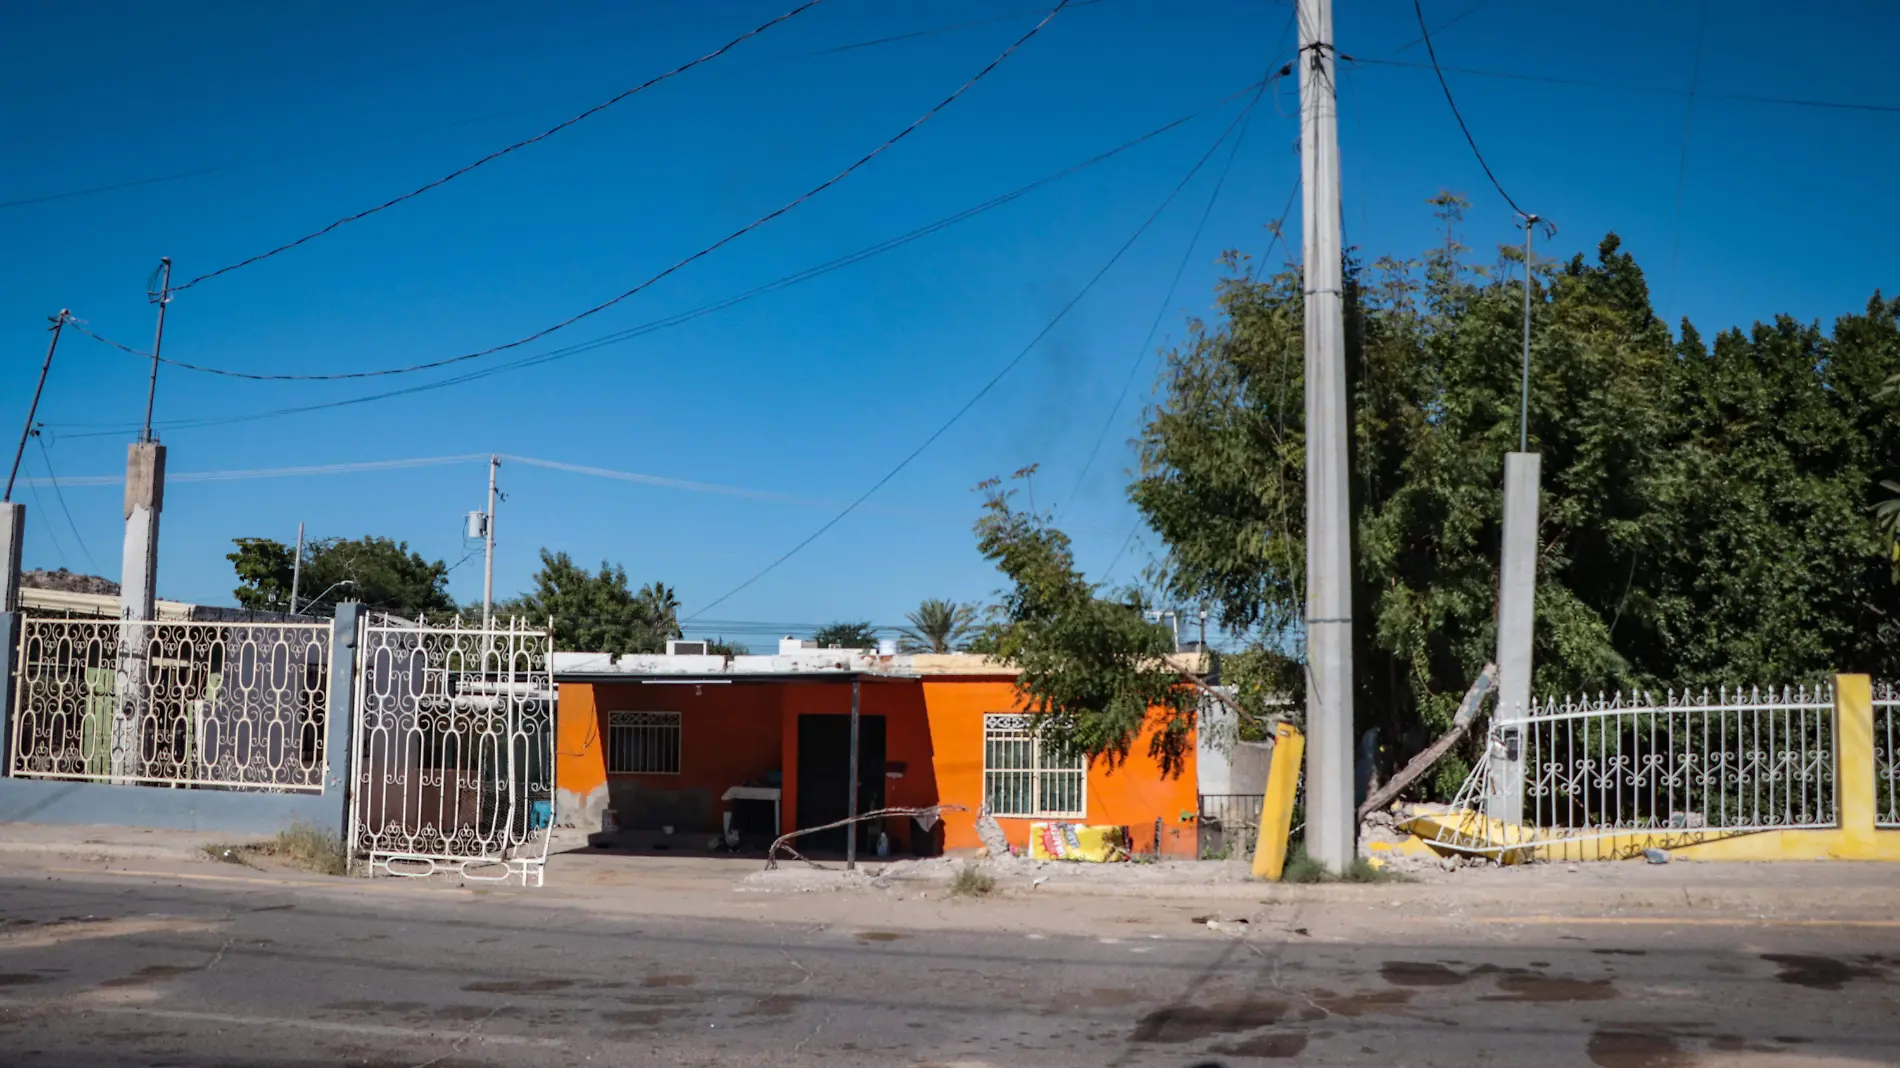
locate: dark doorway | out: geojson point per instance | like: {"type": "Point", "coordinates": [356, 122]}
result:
{"type": "Point", "coordinates": [824, 769]}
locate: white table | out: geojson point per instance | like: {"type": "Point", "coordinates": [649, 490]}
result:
{"type": "Point", "coordinates": [756, 793]}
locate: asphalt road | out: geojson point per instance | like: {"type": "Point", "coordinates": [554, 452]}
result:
{"type": "Point", "coordinates": [106, 970]}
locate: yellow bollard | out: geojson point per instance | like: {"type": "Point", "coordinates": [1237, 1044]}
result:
{"type": "Point", "coordinates": [1276, 811]}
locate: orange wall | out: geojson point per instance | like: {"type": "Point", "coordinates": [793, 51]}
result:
{"type": "Point", "coordinates": [733, 732]}
{"type": "Point", "coordinates": [728, 734]}
{"type": "Point", "coordinates": [1131, 795]}
{"type": "Point", "coordinates": [580, 762]}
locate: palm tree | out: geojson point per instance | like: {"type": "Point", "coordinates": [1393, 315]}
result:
{"type": "Point", "coordinates": [938, 626]}
{"type": "Point", "coordinates": [661, 607]}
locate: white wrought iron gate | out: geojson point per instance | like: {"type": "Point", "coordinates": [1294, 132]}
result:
{"type": "Point", "coordinates": [452, 766]}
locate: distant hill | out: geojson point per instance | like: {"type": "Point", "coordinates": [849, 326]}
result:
{"type": "Point", "coordinates": [67, 582]}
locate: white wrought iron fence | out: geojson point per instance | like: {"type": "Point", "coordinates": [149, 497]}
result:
{"type": "Point", "coordinates": [453, 763]}
{"type": "Point", "coordinates": [1886, 766]}
{"type": "Point", "coordinates": [1687, 765]}
{"type": "Point", "coordinates": [172, 703]}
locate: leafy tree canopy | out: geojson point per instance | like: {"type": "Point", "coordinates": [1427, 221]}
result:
{"type": "Point", "coordinates": [1706, 514]}
{"type": "Point", "coordinates": [379, 572]}
{"type": "Point", "coordinates": [1094, 669]}
{"type": "Point", "coordinates": [844, 635]}
{"type": "Point", "coordinates": [597, 611]}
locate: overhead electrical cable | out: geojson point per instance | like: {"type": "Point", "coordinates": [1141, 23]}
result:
{"type": "Point", "coordinates": [706, 251]}
{"type": "Point", "coordinates": [676, 319]}
{"type": "Point", "coordinates": [60, 495]}
{"type": "Point", "coordinates": [1654, 90]}
{"type": "Point", "coordinates": [1187, 255]}
{"type": "Point", "coordinates": [933, 30]}
{"type": "Point", "coordinates": [993, 381]}
{"type": "Point", "coordinates": [1682, 161]}
{"type": "Point", "coordinates": [498, 153]}
{"type": "Point", "coordinates": [1426, 35]}
{"type": "Point", "coordinates": [261, 160]}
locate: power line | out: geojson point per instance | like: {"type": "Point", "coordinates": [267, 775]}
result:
{"type": "Point", "coordinates": [933, 30]}
{"type": "Point", "coordinates": [39, 507]}
{"type": "Point", "coordinates": [47, 459]}
{"type": "Point", "coordinates": [1682, 161]}
{"type": "Point", "coordinates": [1426, 32]}
{"type": "Point", "coordinates": [708, 250]}
{"type": "Point", "coordinates": [1443, 26]}
{"type": "Point", "coordinates": [1187, 254]}
{"type": "Point", "coordinates": [497, 154]}
{"type": "Point", "coordinates": [994, 379]}
{"type": "Point", "coordinates": [251, 161]}
{"type": "Point", "coordinates": [1588, 83]}
{"type": "Point", "coordinates": [807, 274]}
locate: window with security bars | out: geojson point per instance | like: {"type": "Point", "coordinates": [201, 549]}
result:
{"type": "Point", "coordinates": [1026, 776]}
{"type": "Point", "coordinates": [643, 743]}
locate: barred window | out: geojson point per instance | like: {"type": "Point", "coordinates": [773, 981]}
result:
{"type": "Point", "coordinates": [643, 743]}
{"type": "Point", "coordinates": [1027, 776]}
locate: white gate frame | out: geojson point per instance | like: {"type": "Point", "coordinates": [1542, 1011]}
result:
{"type": "Point", "coordinates": [452, 750]}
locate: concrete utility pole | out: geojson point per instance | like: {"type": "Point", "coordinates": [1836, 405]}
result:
{"type": "Point", "coordinates": [296, 570]}
{"type": "Point", "coordinates": [138, 574]}
{"type": "Point", "coordinates": [1330, 821]}
{"type": "Point", "coordinates": [13, 516]}
{"type": "Point", "coordinates": [488, 550]}
{"type": "Point", "coordinates": [1517, 591]}
{"type": "Point", "coordinates": [145, 484]}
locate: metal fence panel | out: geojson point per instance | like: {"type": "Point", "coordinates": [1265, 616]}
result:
{"type": "Point", "coordinates": [453, 766]}
{"type": "Point", "coordinates": [1734, 760]}
{"type": "Point", "coordinates": [172, 703]}
{"type": "Point", "coordinates": [1886, 767]}
{"type": "Point", "coordinates": [1230, 824]}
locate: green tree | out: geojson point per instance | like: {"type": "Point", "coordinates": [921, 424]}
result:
{"type": "Point", "coordinates": [1706, 514]}
{"type": "Point", "coordinates": [379, 572]}
{"type": "Point", "coordinates": [938, 626]}
{"type": "Point", "coordinates": [1094, 670]}
{"type": "Point", "coordinates": [382, 573]}
{"type": "Point", "coordinates": [843, 635]}
{"type": "Point", "coordinates": [264, 573]}
{"type": "Point", "coordinates": [661, 608]}
{"type": "Point", "coordinates": [597, 611]}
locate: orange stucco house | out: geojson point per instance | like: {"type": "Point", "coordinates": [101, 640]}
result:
{"type": "Point", "coordinates": [762, 744]}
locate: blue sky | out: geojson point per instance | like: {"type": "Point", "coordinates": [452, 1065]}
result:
{"type": "Point", "coordinates": [302, 113]}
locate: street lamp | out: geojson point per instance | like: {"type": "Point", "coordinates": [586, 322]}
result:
{"type": "Point", "coordinates": [326, 592]}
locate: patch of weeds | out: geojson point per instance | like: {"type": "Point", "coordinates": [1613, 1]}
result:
{"type": "Point", "coordinates": [227, 854]}
{"type": "Point", "coordinates": [971, 881]}
{"type": "Point", "coordinates": [309, 848]}
{"type": "Point", "coordinates": [1301, 868]}
{"type": "Point", "coordinates": [1362, 870]}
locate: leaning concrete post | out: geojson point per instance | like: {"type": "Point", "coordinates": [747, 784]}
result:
{"type": "Point", "coordinates": [1517, 614]}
